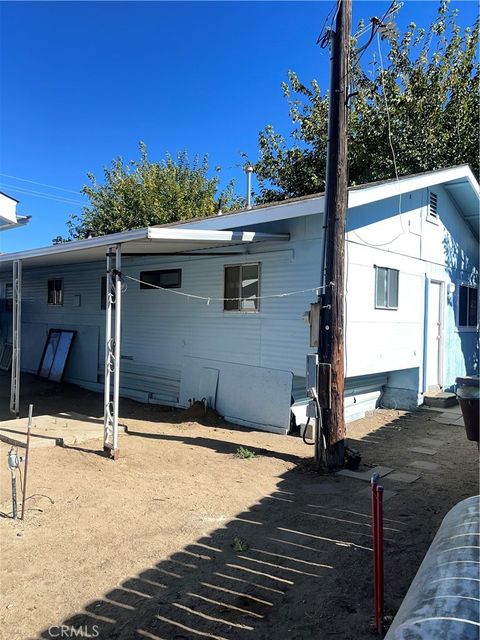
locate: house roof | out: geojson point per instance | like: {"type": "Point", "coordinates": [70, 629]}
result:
{"type": "Point", "coordinates": [459, 182]}
{"type": "Point", "coordinates": [229, 229]}
{"type": "Point", "coordinates": [9, 197]}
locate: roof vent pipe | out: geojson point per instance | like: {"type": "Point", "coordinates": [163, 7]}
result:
{"type": "Point", "coordinates": [219, 207]}
{"type": "Point", "coordinates": [248, 172]}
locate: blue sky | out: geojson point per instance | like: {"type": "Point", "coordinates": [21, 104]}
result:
{"type": "Point", "coordinates": [83, 82]}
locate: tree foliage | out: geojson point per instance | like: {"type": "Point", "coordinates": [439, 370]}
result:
{"type": "Point", "coordinates": [429, 79]}
{"type": "Point", "coordinates": [144, 193]}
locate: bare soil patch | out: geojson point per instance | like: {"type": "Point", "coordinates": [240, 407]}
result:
{"type": "Point", "coordinates": [183, 539]}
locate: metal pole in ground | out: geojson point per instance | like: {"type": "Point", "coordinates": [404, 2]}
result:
{"type": "Point", "coordinates": [29, 429]}
{"type": "Point", "coordinates": [374, 486]}
{"type": "Point", "coordinates": [379, 518]}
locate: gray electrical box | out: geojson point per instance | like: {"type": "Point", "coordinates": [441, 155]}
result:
{"type": "Point", "coordinates": [312, 373]}
{"type": "Point", "coordinates": [314, 318]}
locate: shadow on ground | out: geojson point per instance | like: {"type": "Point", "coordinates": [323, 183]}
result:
{"type": "Point", "coordinates": [262, 575]}
{"type": "Point", "coordinates": [295, 565]}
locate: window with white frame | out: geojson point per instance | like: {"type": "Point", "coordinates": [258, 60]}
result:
{"type": "Point", "coordinates": [55, 291]}
{"type": "Point", "coordinates": [467, 306]}
{"type": "Point", "coordinates": [242, 287]}
{"type": "Point", "coordinates": [386, 288]}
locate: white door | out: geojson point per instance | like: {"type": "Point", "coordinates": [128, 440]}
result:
{"type": "Point", "coordinates": [434, 333]}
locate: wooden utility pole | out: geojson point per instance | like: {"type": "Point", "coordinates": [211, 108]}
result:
{"type": "Point", "coordinates": [331, 342]}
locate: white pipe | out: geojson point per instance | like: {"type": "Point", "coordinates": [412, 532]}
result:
{"type": "Point", "coordinates": [108, 337]}
{"type": "Point", "coordinates": [118, 329]}
{"type": "Point", "coordinates": [248, 172]}
{"type": "Point", "coordinates": [17, 338]}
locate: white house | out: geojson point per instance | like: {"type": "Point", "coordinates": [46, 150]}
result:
{"type": "Point", "coordinates": [412, 259]}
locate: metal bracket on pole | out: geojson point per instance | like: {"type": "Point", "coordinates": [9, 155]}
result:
{"type": "Point", "coordinates": [16, 338]}
{"type": "Point", "coordinates": [113, 320]}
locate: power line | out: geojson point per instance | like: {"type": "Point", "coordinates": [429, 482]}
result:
{"type": "Point", "coordinates": [41, 184]}
{"type": "Point", "coordinates": [39, 194]}
{"type": "Point", "coordinates": [390, 135]}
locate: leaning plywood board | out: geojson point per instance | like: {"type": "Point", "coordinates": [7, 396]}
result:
{"type": "Point", "coordinates": [246, 395]}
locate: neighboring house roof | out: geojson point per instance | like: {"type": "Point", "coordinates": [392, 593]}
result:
{"type": "Point", "coordinates": [8, 213]}
{"type": "Point", "coordinates": [2, 193]}
{"type": "Point", "coordinates": [459, 182]}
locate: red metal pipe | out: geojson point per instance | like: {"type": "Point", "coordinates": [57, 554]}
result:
{"type": "Point", "coordinates": [374, 486]}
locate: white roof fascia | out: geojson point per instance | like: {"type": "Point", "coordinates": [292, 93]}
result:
{"type": "Point", "coordinates": [367, 195]}
{"type": "Point", "coordinates": [202, 235]}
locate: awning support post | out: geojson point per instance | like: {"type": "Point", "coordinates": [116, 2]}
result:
{"type": "Point", "coordinates": [16, 338]}
{"type": "Point", "coordinates": [113, 327]}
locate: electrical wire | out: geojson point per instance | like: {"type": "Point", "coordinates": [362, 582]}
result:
{"type": "Point", "coordinates": [209, 299]}
{"type": "Point", "coordinates": [40, 194]}
{"type": "Point", "coordinates": [394, 157]}
{"type": "Point", "coordinates": [41, 184]}
{"type": "Point", "coordinates": [304, 434]}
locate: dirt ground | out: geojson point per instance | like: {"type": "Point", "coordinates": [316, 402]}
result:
{"type": "Point", "coordinates": [182, 539]}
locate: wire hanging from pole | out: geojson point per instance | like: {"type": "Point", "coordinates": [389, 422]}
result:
{"type": "Point", "coordinates": [209, 299]}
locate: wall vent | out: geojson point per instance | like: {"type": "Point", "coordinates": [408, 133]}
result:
{"type": "Point", "coordinates": [433, 205]}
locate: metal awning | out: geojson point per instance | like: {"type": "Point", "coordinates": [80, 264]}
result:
{"type": "Point", "coordinates": [150, 240]}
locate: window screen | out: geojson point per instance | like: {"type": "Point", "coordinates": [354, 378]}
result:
{"type": "Point", "coordinates": [386, 288]}
{"type": "Point", "coordinates": [242, 287]}
{"type": "Point", "coordinates": [55, 291]}
{"type": "Point", "coordinates": [468, 306]}
{"type": "Point", "coordinates": [165, 278]}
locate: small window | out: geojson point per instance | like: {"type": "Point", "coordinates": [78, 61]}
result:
{"type": "Point", "coordinates": [242, 288]}
{"type": "Point", "coordinates": [468, 306]}
{"type": "Point", "coordinates": [9, 297]}
{"type": "Point", "coordinates": [55, 292]}
{"type": "Point", "coordinates": [386, 288]}
{"type": "Point", "coordinates": [432, 214]}
{"type": "Point", "coordinates": [166, 278]}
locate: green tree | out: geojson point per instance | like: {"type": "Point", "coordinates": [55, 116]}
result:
{"type": "Point", "coordinates": [144, 193]}
{"type": "Point", "coordinates": [430, 80]}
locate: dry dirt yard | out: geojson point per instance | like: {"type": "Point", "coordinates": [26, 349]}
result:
{"type": "Point", "coordinates": [181, 539]}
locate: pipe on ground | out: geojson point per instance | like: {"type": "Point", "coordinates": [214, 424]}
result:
{"type": "Point", "coordinates": [443, 602]}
